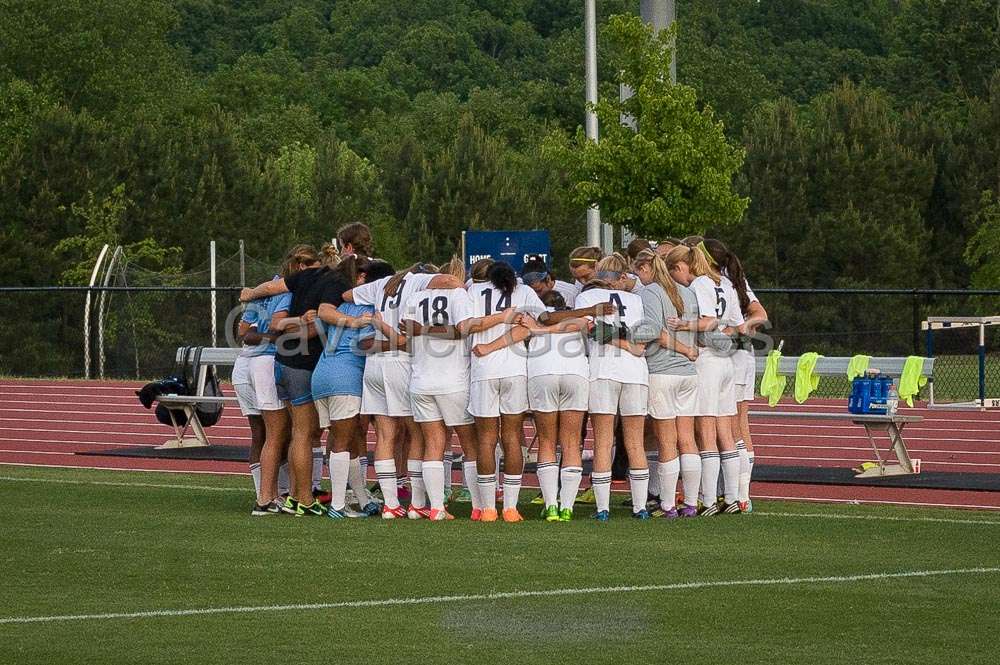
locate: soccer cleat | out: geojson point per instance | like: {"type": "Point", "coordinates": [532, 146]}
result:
{"type": "Point", "coordinates": [538, 500]}
{"type": "Point", "coordinates": [731, 508]}
{"type": "Point", "coordinates": [641, 514]}
{"type": "Point", "coordinates": [687, 511]}
{"type": "Point", "coordinates": [586, 496]}
{"type": "Point", "coordinates": [551, 514]}
{"type": "Point", "coordinates": [396, 513]}
{"type": "Point", "coordinates": [439, 515]}
{"type": "Point", "coordinates": [353, 514]}
{"type": "Point", "coordinates": [746, 506]}
{"type": "Point", "coordinates": [476, 515]}
{"type": "Point", "coordinates": [489, 515]}
{"type": "Point", "coordinates": [371, 509]}
{"type": "Point", "coordinates": [566, 514]}
{"type": "Point", "coordinates": [415, 513]}
{"type": "Point", "coordinates": [602, 516]}
{"type": "Point", "coordinates": [289, 506]}
{"type": "Point", "coordinates": [335, 514]}
{"type": "Point", "coordinates": [314, 509]}
{"type": "Point", "coordinates": [656, 511]}
{"type": "Point", "coordinates": [261, 511]}
{"type": "Point", "coordinates": [460, 495]}
{"type": "Point", "coordinates": [709, 510]}
{"type": "Point", "coordinates": [511, 515]}
{"type": "Point", "coordinates": [670, 514]}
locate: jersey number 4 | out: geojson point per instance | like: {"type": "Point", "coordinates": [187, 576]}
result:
{"type": "Point", "coordinates": [503, 302]}
{"type": "Point", "coordinates": [435, 312]}
{"type": "Point", "coordinates": [616, 300]}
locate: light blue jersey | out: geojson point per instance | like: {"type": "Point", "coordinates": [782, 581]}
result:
{"type": "Point", "coordinates": [258, 314]}
{"type": "Point", "coordinates": [341, 367]}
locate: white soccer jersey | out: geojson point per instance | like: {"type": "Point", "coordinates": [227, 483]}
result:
{"type": "Point", "coordinates": [391, 307]}
{"type": "Point", "coordinates": [512, 360]}
{"type": "Point", "coordinates": [718, 300]}
{"type": "Point", "coordinates": [608, 361]}
{"type": "Point", "coordinates": [557, 354]}
{"type": "Point", "coordinates": [568, 291]}
{"type": "Point", "coordinates": [440, 366]}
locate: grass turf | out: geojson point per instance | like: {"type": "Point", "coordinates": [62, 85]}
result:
{"type": "Point", "coordinates": [79, 547]}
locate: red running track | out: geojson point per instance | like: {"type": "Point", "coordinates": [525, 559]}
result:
{"type": "Point", "coordinates": [45, 423]}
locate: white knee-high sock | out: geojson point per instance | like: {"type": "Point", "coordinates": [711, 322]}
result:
{"type": "Point", "coordinates": [340, 465]}
{"type": "Point", "coordinates": [653, 462]}
{"type": "Point", "coordinates": [283, 479]}
{"type": "Point", "coordinates": [668, 472]}
{"type": "Point", "coordinates": [255, 474]}
{"type": "Point", "coordinates": [472, 483]}
{"type": "Point", "coordinates": [690, 477]}
{"type": "Point", "coordinates": [731, 475]}
{"type": "Point", "coordinates": [600, 481]}
{"type": "Point", "coordinates": [487, 487]}
{"type": "Point", "coordinates": [511, 490]}
{"type": "Point", "coordinates": [743, 494]}
{"type": "Point", "coordinates": [710, 464]}
{"type": "Point", "coordinates": [433, 473]}
{"type": "Point", "coordinates": [548, 478]}
{"type": "Point", "coordinates": [570, 477]}
{"type": "Point", "coordinates": [364, 467]}
{"type": "Point", "coordinates": [448, 465]}
{"type": "Point", "coordinates": [385, 471]}
{"type": "Point", "coordinates": [638, 480]}
{"type": "Point", "coordinates": [356, 479]}
{"type": "Point", "coordinates": [418, 497]}
{"type": "Point", "coordinates": [317, 466]}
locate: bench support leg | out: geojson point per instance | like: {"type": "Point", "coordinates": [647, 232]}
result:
{"type": "Point", "coordinates": [199, 439]}
{"type": "Point", "coordinates": [904, 466]}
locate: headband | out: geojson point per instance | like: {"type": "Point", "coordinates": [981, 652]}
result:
{"type": "Point", "coordinates": [532, 277]}
{"type": "Point", "coordinates": [585, 260]}
{"type": "Point", "coordinates": [708, 256]}
{"type": "Point", "coordinates": [609, 275]}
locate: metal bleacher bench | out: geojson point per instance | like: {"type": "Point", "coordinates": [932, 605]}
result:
{"type": "Point", "coordinates": [892, 425]}
{"type": "Point", "coordinates": [210, 356]}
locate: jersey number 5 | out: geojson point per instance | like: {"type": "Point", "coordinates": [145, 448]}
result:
{"type": "Point", "coordinates": [720, 302]}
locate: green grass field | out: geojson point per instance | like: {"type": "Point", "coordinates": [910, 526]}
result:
{"type": "Point", "coordinates": [780, 587]}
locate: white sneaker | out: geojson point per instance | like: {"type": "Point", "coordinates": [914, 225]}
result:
{"type": "Point", "coordinates": [350, 512]}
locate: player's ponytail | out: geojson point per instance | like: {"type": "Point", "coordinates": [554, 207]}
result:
{"type": "Point", "coordinates": [697, 259]}
{"type": "Point", "coordinates": [731, 267]}
{"type": "Point", "coordinates": [503, 277]}
{"type": "Point", "coordinates": [480, 269]}
{"type": "Point", "coordinates": [662, 277]}
{"type": "Point", "coordinates": [299, 255]}
{"type": "Point", "coordinates": [392, 286]}
{"type": "Point", "coordinates": [329, 257]}
{"type": "Point", "coordinates": [455, 268]}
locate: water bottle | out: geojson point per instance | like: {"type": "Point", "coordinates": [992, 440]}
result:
{"type": "Point", "coordinates": [892, 403]}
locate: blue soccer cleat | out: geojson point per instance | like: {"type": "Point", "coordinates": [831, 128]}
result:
{"type": "Point", "coordinates": [602, 516]}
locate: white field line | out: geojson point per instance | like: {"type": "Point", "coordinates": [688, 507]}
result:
{"type": "Point", "coordinates": [123, 468]}
{"type": "Point", "coordinates": [875, 518]}
{"type": "Point", "coordinates": [919, 504]}
{"type": "Point", "coordinates": [503, 595]}
{"type": "Point", "coordinates": [210, 488]}
{"type": "Point", "coordinates": [111, 483]}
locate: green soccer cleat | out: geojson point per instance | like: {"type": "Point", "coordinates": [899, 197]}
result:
{"type": "Point", "coordinates": [566, 514]}
{"type": "Point", "coordinates": [314, 509]}
{"type": "Point", "coordinates": [551, 514]}
{"type": "Point", "coordinates": [538, 501]}
{"type": "Point", "coordinates": [586, 496]}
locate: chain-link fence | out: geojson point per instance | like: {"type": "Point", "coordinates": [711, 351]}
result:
{"type": "Point", "coordinates": [134, 330]}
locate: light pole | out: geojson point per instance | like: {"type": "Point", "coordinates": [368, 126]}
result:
{"type": "Point", "coordinates": [590, 39]}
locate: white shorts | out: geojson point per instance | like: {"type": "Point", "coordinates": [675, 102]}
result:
{"type": "Point", "coordinates": [247, 399]}
{"type": "Point", "coordinates": [491, 397]}
{"type": "Point", "coordinates": [337, 407]}
{"type": "Point", "coordinates": [744, 375]}
{"type": "Point", "coordinates": [672, 395]}
{"type": "Point", "coordinates": [716, 391]}
{"type": "Point", "coordinates": [451, 408]}
{"type": "Point", "coordinates": [253, 380]}
{"type": "Point", "coordinates": [614, 397]}
{"type": "Point", "coordinates": [387, 387]}
{"type": "Point", "coordinates": [559, 392]}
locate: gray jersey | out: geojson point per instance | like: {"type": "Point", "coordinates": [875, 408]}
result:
{"type": "Point", "coordinates": [657, 308]}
